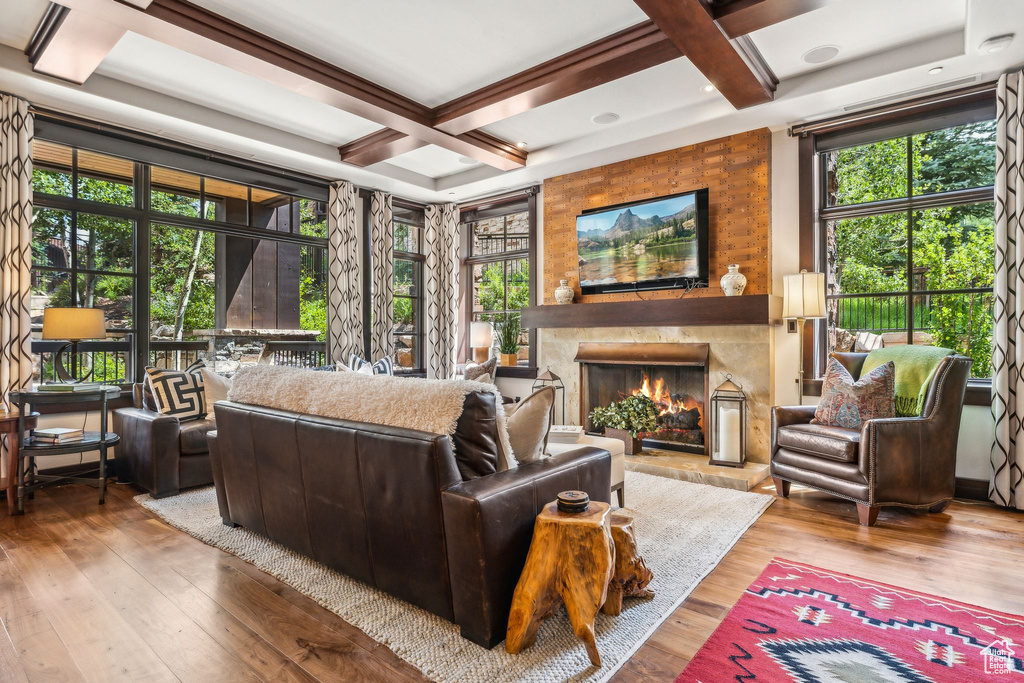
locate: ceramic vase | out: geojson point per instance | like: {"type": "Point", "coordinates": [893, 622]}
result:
{"type": "Point", "coordinates": [734, 281]}
{"type": "Point", "coordinates": [564, 293]}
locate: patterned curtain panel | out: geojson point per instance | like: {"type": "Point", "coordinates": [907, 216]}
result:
{"type": "Point", "coordinates": [1008, 352]}
{"type": "Point", "coordinates": [15, 248]}
{"type": "Point", "coordinates": [382, 342]}
{"type": "Point", "coordinates": [345, 290]}
{"type": "Point", "coordinates": [441, 298]}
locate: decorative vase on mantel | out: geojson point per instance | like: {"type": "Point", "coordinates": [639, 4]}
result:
{"type": "Point", "coordinates": [564, 293]}
{"type": "Point", "coordinates": [634, 446]}
{"type": "Point", "coordinates": [734, 281]}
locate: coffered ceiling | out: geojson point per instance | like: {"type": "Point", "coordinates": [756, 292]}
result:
{"type": "Point", "coordinates": [290, 83]}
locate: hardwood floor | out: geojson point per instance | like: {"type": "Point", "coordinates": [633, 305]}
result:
{"type": "Point", "coordinates": [110, 592]}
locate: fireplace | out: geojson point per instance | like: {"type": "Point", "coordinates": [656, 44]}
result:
{"type": "Point", "coordinates": [674, 376]}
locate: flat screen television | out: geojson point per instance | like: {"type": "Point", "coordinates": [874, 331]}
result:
{"type": "Point", "coordinates": [659, 243]}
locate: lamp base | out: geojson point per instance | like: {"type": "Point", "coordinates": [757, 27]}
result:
{"type": "Point", "coordinates": [62, 372]}
{"type": "Point", "coordinates": [481, 354]}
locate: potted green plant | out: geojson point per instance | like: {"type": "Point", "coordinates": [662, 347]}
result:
{"type": "Point", "coordinates": [507, 330]}
{"type": "Point", "coordinates": [626, 420]}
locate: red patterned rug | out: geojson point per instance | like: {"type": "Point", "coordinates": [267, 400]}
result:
{"type": "Point", "coordinates": [806, 624]}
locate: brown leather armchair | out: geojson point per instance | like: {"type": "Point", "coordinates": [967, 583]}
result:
{"type": "Point", "coordinates": [905, 461]}
{"type": "Point", "coordinates": [158, 452]}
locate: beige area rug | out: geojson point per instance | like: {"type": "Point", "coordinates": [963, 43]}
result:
{"type": "Point", "coordinates": [683, 530]}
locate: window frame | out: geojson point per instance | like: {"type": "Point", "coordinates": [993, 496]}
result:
{"type": "Point", "coordinates": [420, 259]}
{"type": "Point", "coordinates": [136, 344]}
{"type": "Point", "coordinates": [815, 214]}
{"type": "Point", "coordinates": [494, 207]}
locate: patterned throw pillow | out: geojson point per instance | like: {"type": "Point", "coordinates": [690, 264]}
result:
{"type": "Point", "coordinates": [384, 366]}
{"type": "Point", "coordinates": [179, 393]}
{"type": "Point", "coordinates": [848, 403]}
{"type": "Point", "coordinates": [477, 371]}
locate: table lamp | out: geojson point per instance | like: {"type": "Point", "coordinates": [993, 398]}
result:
{"type": "Point", "coordinates": [72, 325]}
{"type": "Point", "coordinates": [803, 298]}
{"type": "Point", "coordinates": [480, 339]}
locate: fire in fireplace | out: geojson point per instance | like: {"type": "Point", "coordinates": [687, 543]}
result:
{"type": "Point", "coordinates": [680, 416]}
{"type": "Point", "coordinates": [674, 376]}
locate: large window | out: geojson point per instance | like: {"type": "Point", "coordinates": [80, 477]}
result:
{"type": "Point", "coordinates": [184, 265]}
{"type": "Point", "coordinates": [408, 288]}
{"type": "Point", "coordinates": [906, 235]}
{"type": "Point", "coordinates": [497, 266]}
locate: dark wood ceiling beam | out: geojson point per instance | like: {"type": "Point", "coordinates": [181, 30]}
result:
{"type": "Point", "coordinates": [735, 69]}
{"type": "Point", "coordinates": [191, 28]}
{"type": "Point", "coordinates": [743, 17]}
{"type": "Point", "coordinates": [620, 54]}
{"type": "Point", "coordinates": [379, 146]}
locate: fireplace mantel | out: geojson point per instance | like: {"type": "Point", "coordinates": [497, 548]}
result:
{"type": "Point", "coordinates": [752, 309]}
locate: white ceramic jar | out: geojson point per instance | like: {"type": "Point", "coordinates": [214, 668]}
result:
{"type": "Point", "coordinates": [734, 281]}
{"type": "Point", "coordinates": [563, 293]}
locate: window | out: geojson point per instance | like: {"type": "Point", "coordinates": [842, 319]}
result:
{"type": "Point", "coordinates": [497, 266]}
{"type": "Point", "coordinates": [407, 282]}
{"type": "Point", "coordinates": [184, 265]}
{"type": "Point", "coordinates": [906, 224]}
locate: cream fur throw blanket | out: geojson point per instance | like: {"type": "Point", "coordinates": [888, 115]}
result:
{"type": "Point", "coordinates": [429, 405]}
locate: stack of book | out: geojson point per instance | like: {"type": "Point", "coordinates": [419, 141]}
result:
{"type": "Point", "coordinates": [57, 435]}
{"type": "Point", "coordinates": [60, 386]}
{"type": "Point", "coordinates": [565, 434]}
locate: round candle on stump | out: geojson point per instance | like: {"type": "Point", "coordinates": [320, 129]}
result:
{"type": "Point", "coordinates": [573, 501]}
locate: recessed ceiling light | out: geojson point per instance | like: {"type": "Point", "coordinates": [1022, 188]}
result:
{"type": "Point", "coordinates": [708, 88]}
{"type": "Point", "coordinates": [521, 145]}
{"type": "Point", "coordinates": [995, 44]}
{"type": "Point", "coordinates": [467, 161]}
{"type": "Point", "coordinates": [821, 54]}
{"type": "Point", "coordinates": [935, 70]}
{"type": "Point", "coordinates": [606, 118]}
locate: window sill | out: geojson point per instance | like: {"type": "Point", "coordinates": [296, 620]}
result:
{"type": "Point", "coordinates": [517, 372]}
{"type": "Point", "coordinates": [979, 391]}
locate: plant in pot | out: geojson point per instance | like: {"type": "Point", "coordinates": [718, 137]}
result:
{"type": "Point", "coordinates": [507, 330]}
{"type": "Point", "coordinates": [626, 420]}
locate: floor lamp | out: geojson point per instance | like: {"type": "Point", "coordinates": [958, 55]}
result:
{"type": "Point", "coordinates": [803, 298]}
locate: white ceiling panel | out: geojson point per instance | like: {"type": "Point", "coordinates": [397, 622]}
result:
{"type": "Point", "coordinates": [858, 28]}
{"type": "Point", "coordinates": [433, 51]}
{"type": "Point", "coordinates": [433, 161]}
{"type": "Point", "coordinates": [19, 19]}
{"type": "Point", "coordinates": [662, 88]}
{"type": "Point", "coordinates": [149, 64]}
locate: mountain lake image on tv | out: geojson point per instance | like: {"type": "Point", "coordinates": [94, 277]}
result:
{"type": "Point", "coordinates": [654, 244]}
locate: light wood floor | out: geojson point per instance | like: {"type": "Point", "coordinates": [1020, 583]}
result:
{"type": "Point", "coordinates": [112, 593]}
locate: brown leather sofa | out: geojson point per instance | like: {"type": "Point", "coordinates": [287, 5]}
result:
{"type": "Point", "coordinates": [396, 508]}
{"type": "Point", "coordinates": [905, 461]}
{"type": "Point", "coordinates": [158, 452]}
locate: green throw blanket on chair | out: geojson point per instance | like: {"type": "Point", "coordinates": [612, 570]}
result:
{"type": "Point", "coordinates": [915, 366]}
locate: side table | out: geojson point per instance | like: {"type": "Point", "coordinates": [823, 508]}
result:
{"type": "Point", "coordinates": [28, 480]}
{"type": "Point", "coordinates": [9, 426]}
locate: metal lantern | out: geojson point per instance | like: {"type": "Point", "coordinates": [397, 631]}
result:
{"type": "Point", "coordinates": [550, 379]}
{"type": "Point", "coordinates": [728, 425]}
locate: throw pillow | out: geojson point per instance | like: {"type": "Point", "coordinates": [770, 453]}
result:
{"type": "Point", "coordinates": [848, 403]}
{"type": "Point", "coordinates": [477, 371]}
{"type": "Point", "coordinates": [215, 387]}
{"type": "Point", "coordinates": [178, 393]}
{"type": "Point", "coordinates": [529, 423]}
{"type": "Point", "coordinates": [384, 366]}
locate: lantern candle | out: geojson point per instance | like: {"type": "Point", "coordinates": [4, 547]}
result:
{"type": "Point", "coordinates": [729, 434]}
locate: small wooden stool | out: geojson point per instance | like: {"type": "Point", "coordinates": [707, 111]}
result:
{"type": "Point", "coordinates": [570, 562]}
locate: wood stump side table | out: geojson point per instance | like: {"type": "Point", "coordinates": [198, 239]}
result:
{"type": "Point", "coordinates": [9, 427]}
{"type": "Point", "coordinates": [570, 562]}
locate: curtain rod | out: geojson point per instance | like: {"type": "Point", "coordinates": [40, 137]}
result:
{"type": "Point", "coordinates": [907, 106]}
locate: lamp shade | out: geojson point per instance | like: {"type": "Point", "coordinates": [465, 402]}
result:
{"type": "Point", "coordinates": [803, 295]}
{"type": "Point", "coordinates": [74, 324]}
{"type": "Point", "coordinates": [480, 335]}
